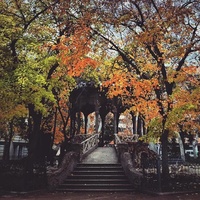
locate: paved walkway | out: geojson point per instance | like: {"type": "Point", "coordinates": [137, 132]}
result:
{"type": "Point", "coordinates": [102, 155]}
{"type": "Point", "coordinates": [97, 196]}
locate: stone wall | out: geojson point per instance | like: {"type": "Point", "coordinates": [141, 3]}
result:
{"type": "Point", "coordinates": [124, 156]}
{"type": "Point", "coordinates": [56, 177]}
{"type": "Point", "coordinates": [134, 176]}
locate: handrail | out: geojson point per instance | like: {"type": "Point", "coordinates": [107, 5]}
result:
{"type": "Point", "coordinates": [89, 143]}
{"type": "Point", "coordinates": [117, 139]}
{"type": "Point", "coordinates": [89, 138]}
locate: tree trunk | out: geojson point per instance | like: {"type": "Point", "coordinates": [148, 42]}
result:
{"type": "Point", "coordinates": [181, 146]}
{"type": "Point", "coordinates": [6, 152]}
{"type": "Point", "coordinates": [72, 123]}
{"type": "Point", "coordinates": [54, 126]}
{"type": "Point", "coordinates": [35, 137]}
{"type": "Point", "coordinates": [165, 166]}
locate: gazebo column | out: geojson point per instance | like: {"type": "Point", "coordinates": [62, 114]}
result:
{"type": "Point", "coordinates": [97, 116]}
{"type": "Point", "coordinates": [115, 120]}
{"type": "Point", "coordinates": [78, 122]}
{"type": "Point", "coordinates": [101, 143]}
{"type": "Point", "coordinates": [136, 123]}
{"type": "Point", "coordinates": [141, 127]}
{"type": "Point", "coordinates": [86, 122]}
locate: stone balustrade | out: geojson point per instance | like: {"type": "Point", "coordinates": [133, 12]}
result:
{"type": "Point", "coordinates": [122, 148]}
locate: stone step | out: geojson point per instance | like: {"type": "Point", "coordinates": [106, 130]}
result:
{"type": "Point", "coordinates": [94, 190]}
{"type": "Point", "coordinates": [96, 181]}
{"type": "Point", "coordinates": [99, 168]}
{"type": "Point", "coordinates": [97, 186]}
{"type": "Point", "coordinates": [98, 165]}
{"type": "Point", "coordinates": [95, 172]}
{"type": "Point", "coordinates": [97, 177]}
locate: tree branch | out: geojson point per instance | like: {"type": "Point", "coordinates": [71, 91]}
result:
{"type": "Point", "coordinates": [121, 53]}
{"type": "Point", "coordinates": [39, 13]}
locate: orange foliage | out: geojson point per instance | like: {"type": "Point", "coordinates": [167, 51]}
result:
{"type": "Point", "coordinates": [137, 93]}
{"type": "Point", "coordinates": [117, 84]}
{"type": "Point", "coordinates": [73, 51]}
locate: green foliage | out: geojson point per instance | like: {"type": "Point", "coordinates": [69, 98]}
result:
{"type": "Point", "coordinates": [154, 131]}
{"type": "Point", "coordinates": [31, 79]}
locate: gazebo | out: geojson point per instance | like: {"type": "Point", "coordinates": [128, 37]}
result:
{"type": "Point", "coordinates": [87, 98]}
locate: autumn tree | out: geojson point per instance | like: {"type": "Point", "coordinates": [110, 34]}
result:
{"type": "Point", "coordinates": [47, 42]}
{"type": "Point", "coordinates": [26, 65]}
{"type": "Point", "coordinates": [156, 40]}
{"type": "Point", "coordinates": [11, 108]}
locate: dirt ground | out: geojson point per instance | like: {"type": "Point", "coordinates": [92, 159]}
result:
{"type": "Point", "coordinates": [97, 196]}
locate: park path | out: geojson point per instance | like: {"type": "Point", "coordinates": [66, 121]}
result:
{"type": "Point", "coordinates": [102, 155]}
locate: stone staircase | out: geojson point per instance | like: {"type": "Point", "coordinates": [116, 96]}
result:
{"type": "Point", "coordinates": [97, 177]}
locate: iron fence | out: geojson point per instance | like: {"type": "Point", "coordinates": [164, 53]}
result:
{"type": "Point", "coordinates": [182, 176]}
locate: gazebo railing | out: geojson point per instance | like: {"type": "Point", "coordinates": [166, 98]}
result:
{"type": "Point", "coordinates": [128, 138]}
{"type": "Point", "coordinates": [125, 139]}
